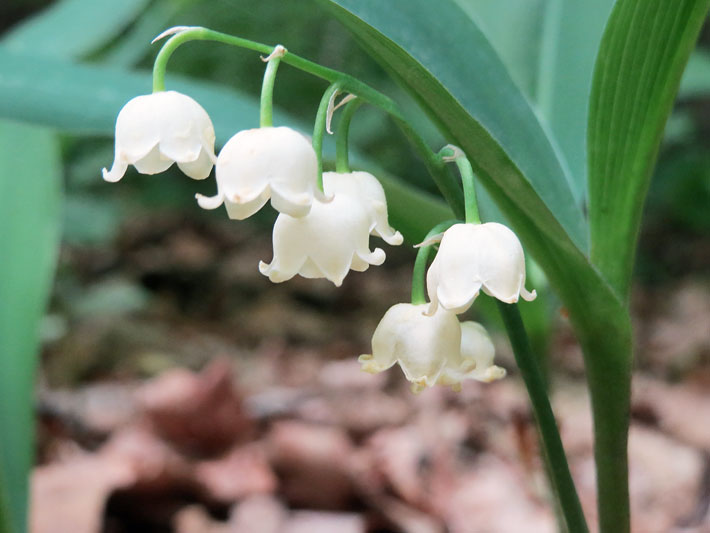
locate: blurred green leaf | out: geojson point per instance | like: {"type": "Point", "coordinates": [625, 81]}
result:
{"type": "Point", "coordinates": [695, 82]}
{"type": "Point", "coordinates": [514, 28]}
{"type": "Point", "coordinates": [89, 220]}
{"type": "Point", "coordinates": [30, 191]}
{"type": "Point", "coordinates": [570, 41]}
{"type": "Point", "coordinates": [642, 56]}
{"type": "Point", "coordinates": [72, 28]}
{"type": "Point", "coordinates": [135, 45]}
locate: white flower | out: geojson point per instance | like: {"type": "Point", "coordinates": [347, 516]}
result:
{"type": "Point", "coordinates": [431, 349]}
{"type": "Point", "coordinates": [262, 163]}
{"type": "Point", "coordinates": [368, 189]}
{"type": "Point", "coordinates": [326, 243]}
{"type": "Point", "coordinates": [153, 131]}
{"type": "Point", "coordinates": [472, 257]}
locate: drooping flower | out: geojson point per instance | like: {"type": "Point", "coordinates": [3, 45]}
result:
{"type": "Point", "coordinates": [431, 349]}
{"type": "Point", "coordinates": [368, 189]}
{"type": "Point", "coordinates": [472, 257]}
{"type": "Point", "coordinates": [262, 163]}
{"type": "Point", "coordinates": [326, 243]}
{"type": "Point", "coordinates": [153, 131]}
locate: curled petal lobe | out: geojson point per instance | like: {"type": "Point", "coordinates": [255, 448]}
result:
{"type": "Point", "coordinates": [116, 173]}
{"type": "Point", "coordinates": [474, 257]}
{"type": "Point", "coordinates": [327, 242]}
{"type": "Point", "coordinates": [154, 131]}
{"type": "Point", "coordinates": [268, 163]}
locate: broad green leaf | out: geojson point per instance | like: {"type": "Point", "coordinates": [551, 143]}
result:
{"type": "Point", "coordinates": [571, 36]}
{"type": "Point", "coordinates": [643, 53]}
{"type": "Point", "coordinates": [30, 181]}
{"type": "Point", "coordinates": [460, 82]}
{"type": "Point", "coordinates": [73, 28]}
{"type": "Point", "coordinates": [87, 99]}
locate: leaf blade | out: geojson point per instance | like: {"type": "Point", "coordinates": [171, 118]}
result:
{"type": "Point", "coordinates": [644, 50]}
{"type": "Point", "coordinates": [73, 28]}
{"type": "Point", "coordinates": [30, 192]}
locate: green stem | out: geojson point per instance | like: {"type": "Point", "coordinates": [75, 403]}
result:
{"type": "Point", "coordinates": [266, 114]}
{"type": "Point", "coordinates": [420, 264]}
{"type": "Point", "coordinates": [342, 164]}
{"type": "Point", "coordinates": [320, 126]}
{"type": "Point", "coordinates": [454, 153]}
{"type": "Point", "coordinates": [553, 451]}
{"type": "Point", "coordinates": [444, 181]}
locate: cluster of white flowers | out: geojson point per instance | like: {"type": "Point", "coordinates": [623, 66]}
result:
{"type": "Point", "coordinates": [317, 234]}
{"type": "Point", "coordinates": [325, 234]}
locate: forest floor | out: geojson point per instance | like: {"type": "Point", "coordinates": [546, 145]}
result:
{"type": "Point", "coordinates": [181, 391]}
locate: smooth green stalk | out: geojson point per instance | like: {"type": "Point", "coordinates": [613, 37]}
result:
{"type": "Point", "coordinates": [320, 126]}
{"type": "Point", "coordinates": [342, 164]}
{"type": "Point", "coordinates": [451, 153]}
{"type": "Point", "coordinates": [444, 181]}
{"type": "Point", "coordinates": [266, 103]}
{"type": "Point", "coordinates": [553, 451]}
{"type": "Point", "coordinates": [420, 264]}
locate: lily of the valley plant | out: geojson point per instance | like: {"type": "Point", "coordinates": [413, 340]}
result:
{"type": "Point", "coordinates": [326, 219]}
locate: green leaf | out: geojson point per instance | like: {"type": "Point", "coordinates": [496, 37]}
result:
{"type": "Point", "coordinates": [30, 192]}
{"type": "Point", "coordinates": [571, 35]}
{"type": "Point", "coordinates": [642, 56]}
{"type": "Point", "coordinates": [514, 28]}
{"type": "Point", "coordinates": [459, 80]}
{"type": "Point", "coordinates": [86, 99]}
{"type": "Point", "coordinates": [73, 28]}
{"type": "Point", "coordinates": [695, 82]}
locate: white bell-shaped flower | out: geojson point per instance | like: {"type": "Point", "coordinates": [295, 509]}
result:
{"type": "Point", "coordinates": [368, 189]}
{"type": "Point", "coordinates": [431, 349]}
{"type": "Point", "coordinates": [326, 243]}
{"type": "Point", "coordinates": [472, 257]}
{"type": "Point", "coordinates": [153, 131]}
{"type": "Point", "coordinates": [262, 163]}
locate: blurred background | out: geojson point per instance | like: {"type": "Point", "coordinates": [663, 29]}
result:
{"type": "Point", "coordinates": [179, 390]}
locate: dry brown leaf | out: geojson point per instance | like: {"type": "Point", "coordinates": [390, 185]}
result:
{"type": "Point", "coordinates": [313, 464]}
